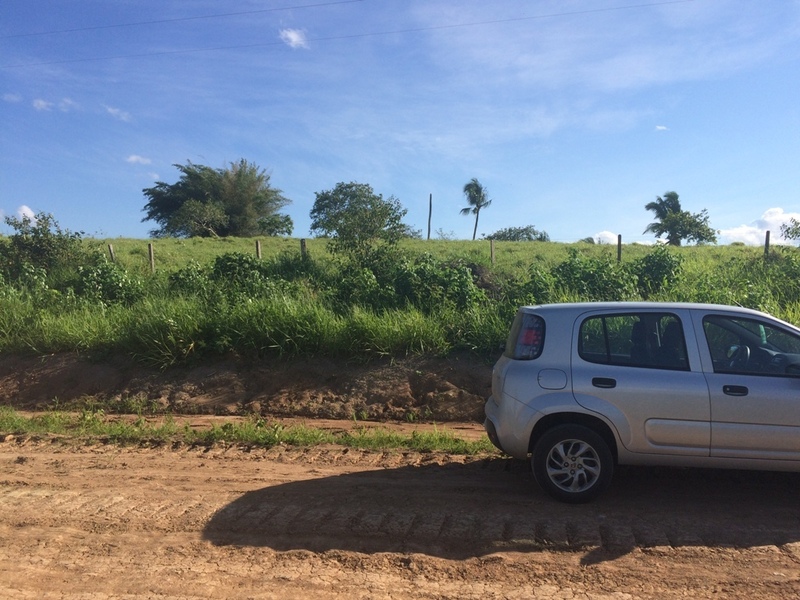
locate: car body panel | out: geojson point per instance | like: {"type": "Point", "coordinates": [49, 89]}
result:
{"type": "Point", "coordinates": [687, 415]}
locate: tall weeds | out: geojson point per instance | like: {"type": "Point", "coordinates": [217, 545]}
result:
{"type": "Point", "coordinates": [438, 300]}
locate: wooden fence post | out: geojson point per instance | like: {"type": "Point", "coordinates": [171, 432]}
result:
{"type": "Point", "coordinates": [619, 247]}
{"type": "Point", "coordinates": [766, 246]}
{"type": "Point", "coordinates": [152, 254]}
{"type": "Point", "coordinates": [258, 249]}
{"type": "Point", "coordinates": [303, 250]}
{"type": "Point", "coordinates": [430, 214]}
{"type": "Point", "coordinates": [111, 253]}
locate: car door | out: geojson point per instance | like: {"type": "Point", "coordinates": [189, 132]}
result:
{"type": "Point", "coordinates": [754, 383]}
{"type": "Point", "coordinates": [637, 369]}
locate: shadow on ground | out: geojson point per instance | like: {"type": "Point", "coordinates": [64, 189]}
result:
{"type": "Point", "coordinates": [466, 510]}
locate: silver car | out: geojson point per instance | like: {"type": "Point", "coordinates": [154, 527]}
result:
{"type": "Point", "coordinates": [583, 387]}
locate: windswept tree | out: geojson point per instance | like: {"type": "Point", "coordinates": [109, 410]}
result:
{"type": "Point", "coordinates": [356, 220]}
{"type": "Point", "coordinates": [677, 224]}
{"type": "Point", "coordinates": [206, 202]}
{"type": "Point", "coordinates": [477, 198]}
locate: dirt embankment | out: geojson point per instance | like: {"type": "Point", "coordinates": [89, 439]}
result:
{"type": "Point", "coordinates": [411, 390]}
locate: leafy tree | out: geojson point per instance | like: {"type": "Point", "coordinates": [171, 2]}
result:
{"type": "Point", "coordinates": [791, 230]}
{"type": "Point", "coordinates": [206, 202]}
{"type": "Point", "coordinates": [40, 243]}
{"type": "Point", "coordinates": [519, 234]}
{"type": "Point", "coordinates": [356, 220]}
{"type": "Point", "coordinates": [200, 219]}
{"type": "Point", "coordinates": [477, 198]}
{"type": "Point", "coordinates": [678, 225]}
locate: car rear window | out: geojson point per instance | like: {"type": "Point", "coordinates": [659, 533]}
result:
{"type": "Point", "coordinates": [526, 338]}
{"type": "Point", "coordinates": [653, 340]}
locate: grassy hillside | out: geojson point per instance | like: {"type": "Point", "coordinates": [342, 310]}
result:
{"type": "Point", "coordinates": [209, 298]}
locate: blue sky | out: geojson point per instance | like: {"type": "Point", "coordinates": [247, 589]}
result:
{"type": "Point", "coordinates": [573, 114]}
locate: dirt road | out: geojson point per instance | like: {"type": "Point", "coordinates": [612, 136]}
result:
{"type": "Point", "coordinates": [102, 522]}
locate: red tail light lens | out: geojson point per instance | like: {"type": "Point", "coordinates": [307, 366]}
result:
{"type": "Point", "coordinates": [527, 337]}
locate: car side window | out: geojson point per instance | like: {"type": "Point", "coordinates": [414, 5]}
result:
{"type": "Point", "coordinates": [652, 340]}
{"type": "Point", "coordinates": [751, 346]}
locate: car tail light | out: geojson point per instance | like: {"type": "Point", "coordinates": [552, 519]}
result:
{"type": "Point", "coordinates": [528, 337]}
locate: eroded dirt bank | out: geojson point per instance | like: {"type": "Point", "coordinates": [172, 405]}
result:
{"type": "Point", "coordinates": [412, 389]}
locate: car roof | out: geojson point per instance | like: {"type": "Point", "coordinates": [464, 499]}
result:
{"type": "Point", "coordinates": [576, 308]}
{"type": "Point", "coordinates": [640, 305]}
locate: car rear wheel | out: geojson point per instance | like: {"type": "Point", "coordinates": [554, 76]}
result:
{"type": "Point", "coordinates": [572, 463]}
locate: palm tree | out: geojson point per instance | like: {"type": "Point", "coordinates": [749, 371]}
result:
{"type": "Point", "coordinates": [665, 210]}
{"type": "Point", "coordinates": [478, 198]}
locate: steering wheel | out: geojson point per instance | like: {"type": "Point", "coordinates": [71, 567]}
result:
{"type": "Point", "coordinates": [738, 356]}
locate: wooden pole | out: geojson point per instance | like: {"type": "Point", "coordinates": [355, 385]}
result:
{"type": "Point", "coordinates": [619, 248]}
{"type": "Point", "coordinates": [111, 253]}
{"type": "Point", "coordinates": [303, 250]}
{"type": "Point", "coordinates": [152, 254]}
{"type": "Point", "coordinates": [766, 245]}
{"type": "Point", "coordinates": [258, 249]}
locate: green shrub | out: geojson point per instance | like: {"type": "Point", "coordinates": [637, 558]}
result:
{"type": "Point", "coordinates": [594, 278]}
{"type": "Point", "coordinates": [193, 279]}
{"type": "Point", "coordinates": [658, 272]}
{"type": "Point", "coordinates": [106, 282]}
{"type": "Point", "coordinates": [41, 244]}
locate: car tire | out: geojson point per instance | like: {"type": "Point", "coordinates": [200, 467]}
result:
{"type": "Point", "coordinates": [572, 463]}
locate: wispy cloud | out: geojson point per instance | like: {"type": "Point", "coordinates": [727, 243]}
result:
{"type": "Point", "coordinates": [40, 104]}
{"type": "Point", "coordinates": [67, 105]}
{"type": "Point", "coordinates": [64, 105]}
{"type": "Point", "coordinates": [135, 159]}
{"type": "Point", "coordinates": [662, 128]}
{"type": "Point", "coordinates": [607, 50]}
{"type": "Point", "coordinates": [13, 98]}
{"type": "Point", "coordinates": [118, 113]}
{"type": "Point", "coordinates": [754, 234]}
{"type": "Point", "coordinates": [294, 38]}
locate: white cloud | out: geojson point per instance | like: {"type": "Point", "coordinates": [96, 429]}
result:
{"type": "Point", "coordinates": [755, 233]}
{"type": "Point", "coordinates": [294, 38]}
{"type": "Point", "coordinates": [40, 104]}
{"type": "Point", "coordinates": [135, 159]}
{"type": "Point", "coordinates": [662, 128]}
{"type": "Point", "coordinates": [12, 98]}
{"type": "Point", "coordinates": [605, 237]}
{"type": "Point", "coordinates": [118, 113]}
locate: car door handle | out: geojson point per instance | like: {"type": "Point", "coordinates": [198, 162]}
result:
{"type": "Point", "coordinates": [604, 382]}
{"type": "Point", "coordinates": [735, 390]}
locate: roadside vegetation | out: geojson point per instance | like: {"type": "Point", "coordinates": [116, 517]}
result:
{"type": "Point", "coordinates": [93, 425]}
{"type": "Point", "coordinates": [379, 297]}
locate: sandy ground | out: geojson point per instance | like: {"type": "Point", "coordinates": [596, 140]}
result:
{"type": "Point", "coordinates": [97, 522]}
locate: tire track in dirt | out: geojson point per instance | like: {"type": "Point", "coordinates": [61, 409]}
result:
{"type": "Point", "coordinates": [453, 507]}
{"type": "Point", "coordinates": [193, 522]}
